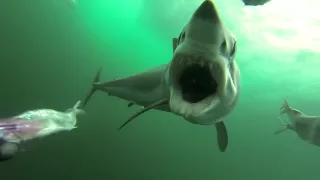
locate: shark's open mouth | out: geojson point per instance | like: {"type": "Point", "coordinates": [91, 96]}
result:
{"type": "Point", "coordinates": [197, 83]}
{"type": "Point", "coordinates": [194, 85]}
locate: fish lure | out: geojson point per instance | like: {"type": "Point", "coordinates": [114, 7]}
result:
{"type": "Point", "coordinates": [34, 124]}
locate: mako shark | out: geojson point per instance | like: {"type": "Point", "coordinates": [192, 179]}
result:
{"type": "Point", "coordinates": [201, 83]}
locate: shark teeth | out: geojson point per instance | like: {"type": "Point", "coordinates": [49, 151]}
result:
{"type": "Point", "coordinates": [177, 103]}
{"type": "Point", "coordinates": [185, 109]}
{"type": "Point", "coordinates": [181, 62]}
{"type": "Point", "coordinates": [186, 61]}
{"type": "Point", "coordinates": [178, 106]}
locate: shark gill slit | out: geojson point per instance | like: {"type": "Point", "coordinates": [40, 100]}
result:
{"type": "Point", "coordinates": [151, 106]}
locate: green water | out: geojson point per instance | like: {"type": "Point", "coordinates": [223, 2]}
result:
{"type": "Point", "coordinates": [50, 52]}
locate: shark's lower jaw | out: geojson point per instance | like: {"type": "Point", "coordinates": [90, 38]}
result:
{"type": "Point", "coordinates": [194, 86]}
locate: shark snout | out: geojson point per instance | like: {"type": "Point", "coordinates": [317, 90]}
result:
{"type": "Point", "coordinates": [207, 11]}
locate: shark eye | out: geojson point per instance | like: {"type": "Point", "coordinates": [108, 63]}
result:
{"type": "Point", "coordinates": [183, 35]}
{"type": "Point", "coordinates": [223, 46]}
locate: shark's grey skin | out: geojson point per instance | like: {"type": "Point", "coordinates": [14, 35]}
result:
{"type": "Point", "coordinates": [306, 127]}
{"type": "Point", "coordinates": [201, 83]}
{"type": "Point", "coordinates": [255, 2]}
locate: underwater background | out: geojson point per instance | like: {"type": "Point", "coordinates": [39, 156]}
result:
{"type": "Point", "coordinates": [50, 51]}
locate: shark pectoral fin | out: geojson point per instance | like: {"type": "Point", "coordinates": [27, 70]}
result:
{"type": "Point", "coordinates": [93, 88]}
{"type": "Point", "coordinates": [156, 104]}
{"type": "Point", "coordinates": [174, 43]}
{"type": "Point", "coordinates": [222, 136]}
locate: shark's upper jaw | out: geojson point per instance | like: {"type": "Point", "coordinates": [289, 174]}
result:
{"type": "Point", "coordinates": [194, 85]}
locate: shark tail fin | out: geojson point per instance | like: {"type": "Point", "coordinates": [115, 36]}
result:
{"type": "Point", "coordinates": [285, 107]}
{"type": "Point", "coordinates": [93, 87]}
{"type": "Point", "coordinates": [285, 126]}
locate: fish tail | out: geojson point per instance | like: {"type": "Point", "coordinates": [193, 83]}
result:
{"type": "Point", "coordinates": [77, 108]}
{"type": "Point", "coordinates": [285, 107]}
